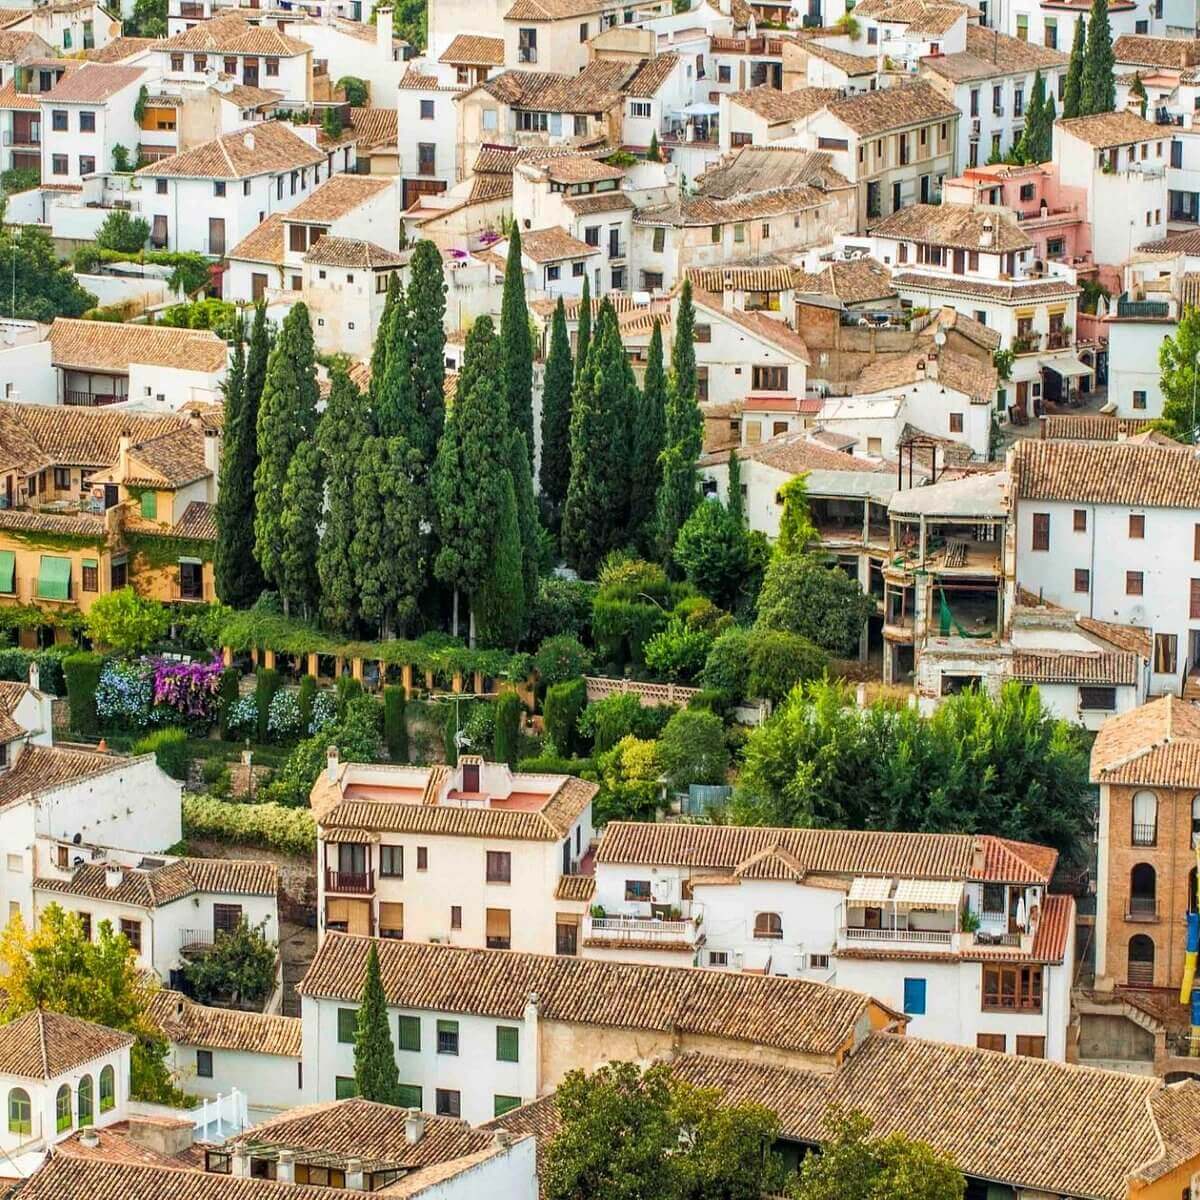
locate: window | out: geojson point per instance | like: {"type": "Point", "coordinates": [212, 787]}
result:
{"type": "Point", "coordinates": [448, 1103]}
{"type": "Point", "coordinates": [639, 108]}
{"type": "Point", "coordinates": [1137, 525]}
{"type": "Point", "coordinates": [739, 232]}
{"type": "Point", "coordinates": [132, 932]}
{"type": "Point", "coordinates": [718, 958]}
{"type": "Point", "coordinates": [1083, 579]}
{"type": "Point", "coordinates": [873, 36]}
{"type": "Point", "coordinates": [503, 1104]}
{"type": "Point", "coordinates": [508, 1039]}
{"type": "Point", "coordinates": [583, 31]}
{"type": "Point", "coordinates": [1133, 583]}
{"type": "Point", "coordinates": [347, 1025]}
{"type": "Point", "coordinates": [422, 858]}
{"type": "Point", "coordinates": [107, 1089]}
{"type": "Point", "coordinates": [1041, 531]}
{"type": "Point", "coordinates": [204, 1064]}
{"type": "Point", "coordinates": [1031, 1046]}
{"type": "Point", "coordinates": [1139, 399]}
{"type": "Point", "coordinates": [527, 45]}
{"type": "Point", "coordinates": [391, 862]}
{"type": "Point", "coordinates": [499, 866]}
{"type": "Point", "coordinates": [956, 422]}
{"type": "Point", "coordinates": [119, 574]}
{"type": "Point", "coordinates": [87, 164]}
{"type": "Point", "coordinates": [990, 1041]}
{"type": "Point", "coordinates": [456, 916]}
{"type": "Point", "coordinates": [637, 889]}
{"type": "Point", "coordinates": [87, 122]}
{"type": "Point", "coordinates": [447, 1037]}
{"type": "Point", "coordinates": [914, 997]}
{"type": "Point", "coordinates": [20, 1111]}
{"type": "Point", "coordinates": [160, 187]}
{"type": "Point", "coordinates": [62, 1109]}
{"type": "Point", "coordinates": [272, 66]}
{"type": "Point", "coordinates": [226, 918]}
{"type": "Point", "coordinates": [1012, 987]}
{"type": "Point", "coordinates": [553, 274]}
{"type": "Point", "coordinates": [58, 120]}
{"type": "Point", "coordinates": [577, 270]}
{"type": "Point", "coordinates": [818, 962]}
{"type": "Point", "coordinates": [218, 187]}
{"type": "Point", "coordinates": [1079, 520]}
{"type": "Point", "coordinates": [426, 110]}
{"type": "Point", "coordinates": [426, 158]}
{"type": "Point", "coordinates": [1143, 893]}
{"type": "Point", "coordinates": [1166, 652]}
{"type": "Point", "coordinates": [409, 1033]}
{"type": "Point", "coordinates": [344, 1087]}
{"type": "Point", "coordinates": [702, 335]}
{"type": "Point", "coordinates": [149, 504]}
{"type": "Point", "coordinates": [1145, 818]}
{"type": "Point", "coordinates": [58, 164]}
{"type": "Point", "coordinates": [176, 62]}
{"type": "Point", "coordinates": [769, 379]}
{"type": "Point", "coordinates": [768, 925]}
{"type": "Point", "coordinates": [994, 898]}
{"type": "Point", "coordinates": [1098, 699]}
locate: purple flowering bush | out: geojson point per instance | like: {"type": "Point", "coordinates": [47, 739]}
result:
{"type": "Point", "coordinates": [147, 693]}
{"type": "Point", "coordinates": [189, 689]}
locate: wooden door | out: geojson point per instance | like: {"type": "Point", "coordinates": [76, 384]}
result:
{"type": "Point", "coordinates": [216, 236]}
{"type": "Point", "coordinates": [258, 286]}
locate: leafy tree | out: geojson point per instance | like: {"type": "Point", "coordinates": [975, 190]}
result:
{"type": "Point", "coordinates": [1073, 91]}
{"type": "Point", "coordinates": [376, 1075]}
{"type": "Point", "coordinates": [126, 622]}
{"type": "Point", "coordinates": [647, 430]}
{"type": "Point", "coordinates": [508, 728]}
{"type": "Point", "coordinates": [331, 123]}
{"type": "Point", "coordinates": [299, 526]}
{"type": "Point", "coordinates": [796, 530]}
{"type": "Point", "coordinates": [239, 968]}
{"type": "Point", "coordinates": [734, 500]}
{"type": "Point", "coordinates": [555, 472]}
{"type": "Point", "coordinates": [354, 89]}
{"type": "Point", "coordinates": [561, 605]}
{"type": "Point", "coordinates": [19, 179]}
{"type": "Point", "coordinates": [427, 338]}
{"type": "Point", "coordinates": [1138, 90]}
{"type": "Point", "coordinates": [1178, 378]}
{"type": "Point", "coordinates": [218, 315]}
{"type": "Point", "coordinates": [561, 658]}
{"type": "Point", "coordinates": [583, 329]}
{"type": "Point", "coordinates": [235, 571]}
{"type": "Point", "coordinates": [38, 286]}
{"type": "Point", "coordinates": [343, 428]}
{"type": "Point", "coordinates": [149, 19]}
{"type": "Point", "coordinates": [713, 550]}
{"type": "Point", "coordinates": [896, 1167]}
{"type": "Point", "coordinates": [256, 362]}
{"type": "Point", "coordinates": [779, 660]}
{"type": "Point", "coordinates": [122, 231]}
{"type": "Point", "coordinates": [121, 161]}
{"type": "Point", "coordinates": [805, 595]}
{"type": "Point", "coordinates": [498, 605]}
{"type": "Point", "coordinates": [692, 749]}
{"type": "Point", "coordinates": [727, 668]}
{"type": "Point", "coordinates": [55, 967]}
{"type": "Point", "coordinates": [677, 652]}
{"type": "Point", "coordinates": [1098, 87]}
{"type": "Point", "coordinates": [356, 734]}
{"type": "Point", "coordinates": [287, 419]}
{"type": "Point", "coordinates": [516, 346]}
{"type": "Point", "coordinates": [630, 782]}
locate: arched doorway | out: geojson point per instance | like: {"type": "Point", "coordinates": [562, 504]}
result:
{"type": "Point", "coordinates": [1140, 969]}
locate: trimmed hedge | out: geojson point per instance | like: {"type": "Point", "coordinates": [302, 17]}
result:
{"type": "Point", "coordinates": [395, 727]}
{"type": "Point", "coordinates": [227, 695]}
{"type": "Point", "coordinates": [82, 673]}
{"type": "Point", "coordinates": [508, 727]}
{"type": "Point", "coordinates": [265, 687]}
{"type": "Point", "coordinates": [348, 688]}
{"type": "Point", "coordinates": [308, 690]}
{"type": "Point", "coordinates": [170, 750]}
{"type": "Point", "coordinates": [561, 708]}
{"type": "Point", "coordinates": [271, 826]}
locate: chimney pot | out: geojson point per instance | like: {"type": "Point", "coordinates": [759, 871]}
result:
{"type": "Point", "coordinates": [113, 875]}
{"type": "Point", "coordinates": [89, 1138]}
{"type": "Point", "coordinates": [331, 764]}
{"type": "Point", "coordinates": [503, 1139]}
{"type": "Point", "coordinates": [414, 1126]}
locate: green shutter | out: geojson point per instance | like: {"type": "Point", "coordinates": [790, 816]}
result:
{"type": "Point", "coordinates": [503, 1104]}
{"type": "Point", "coordinates": [408, 1095]}
{"type": "Point", "coordinates": [54, 578]}
{"type": "Point", "coordinates": [150, 505]}
{"type": "Point", "coordinates": [347, 1024]}
{"type": "Point", "coordinates": [344, 1087]}
{"type": "Point", "coordinates": [507, 1041]}
{"type": "Point", "coordinates": [410, 1033]}
{"type": "Point", "coordinates": [8, 570]}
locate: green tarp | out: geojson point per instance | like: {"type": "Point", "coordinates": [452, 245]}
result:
{"type": "Point", "coordinates": [54, 578]}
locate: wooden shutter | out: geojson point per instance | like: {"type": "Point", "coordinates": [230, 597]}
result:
{"type": "Point", "coordinates": [1194, 600]}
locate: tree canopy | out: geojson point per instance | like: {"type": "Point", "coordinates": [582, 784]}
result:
{"type": "Point", "coordinates": [1098, 85]}
{"type": "Point", "coordinates": [1178, 377]}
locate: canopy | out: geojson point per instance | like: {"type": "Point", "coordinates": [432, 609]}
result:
{"type": "Point", "coordinates": [700, 108]}
{"type": "Point", "coordinates": [54, 578]}
{"type": "Point", "coordinates": [8, 567]}
{"type": "Point", "coordinates": [929, 893]}
{"type": "Point", "coordinates": [869, 891]}
{"type": "Point", "coordinates": [1068, 368]}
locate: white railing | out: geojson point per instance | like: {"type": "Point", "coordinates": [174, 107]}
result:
{"type": "Point", "coordinates": [638, 929]}
{"type": "Point", "coordinates": [941, 937]}
{"type": "Point", "coordinates": [225, 1115]}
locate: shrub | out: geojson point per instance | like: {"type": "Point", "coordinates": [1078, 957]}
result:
{"type": "Point", "coordinates": [478, 724]}
{"type": "Point", "coordinates": [727, 668]}
{"type": "Point", "coordinates": [678, 653]}
{"type": "Point", "coordinates": [19, 179]}
{"type": "Point", "coordinates": [126, 621]}
{"type": "Point", "coordinates": [324, 711]}
{"type": "Point", "coordinates": [283, 717]}
{"type": "Point", "coordinates": [86, 259]}
{"type": "Point", "coordinates": [189, 689]}
{"type": "Point", "coordinates": [562, 606]}
{"type": "Point", "coordinates": [125, 695]}
{"type": "Point", "coordinates": [308, 690]}
{"type": "Point", "coordinates": [692, 749]}
{"type": "Point", "coordinates": [241, 721]}
{"type": "Point", "coordinates": [123, 232]}
{"type": "Point", "coordinates": [547, 763]}
{"type": "Point", "coordinates": [50, 668]}
{"type": "Point", "coordinates": [779, 661]}
{"type": "Point", "coordinates": [170, 750]}
{"type": "Point", "coordinates": [227, 698]}
{"type": "Point", "coordinates": [561, 658]}
{"type": "Point", "coordinates": [699, 612]}
{"type": "Point", "coordinates": [508, 727]}
{"type": "Point", "coordinates": [563, 705]}
{"type": "Point", "coordinates": [348, 689]}
{"type": "Point", "coordinates": [356, 737]}
{"type": "Point", "coordinates": [240, 968]}
{"type": "Point", "coordinates": [802, 594]}
{"type": "Point", "coordinates": [265, 686]}
{"type": "Point", "coordinates": [629, 787]}
{"type": "Point", "coordinates": [83, 677]}
{"type": "Point", "coordinates": [395, 726]}
{"type": "Point", "coordinates": [271, 826]}
{"type": "Point", "coordinates": [354, 89]}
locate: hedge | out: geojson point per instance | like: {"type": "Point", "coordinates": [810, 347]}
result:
{"type": "Point", "coordinates": [308, 689]}
{"type": "Point", "coordinates": [82, 673]}
{"type": "Point", "coordinates": [395, 727]}
{"type": "Point", "coordinates": [348, 688]}
{"type": "Point", "coordinates": [271, 826]}
{"type": "Point", "coordinates": [265, 687]}
{"type": "Point", "coordinates": [15, 661]}
{"type": "Point", "coordinates": [563, 704]}
{"type": "Point", "coordinates": [508, 727]}
{"type": "Point", "coordinates": [226, 696]}
{"type": "Point", "coordinates": [170, 750]}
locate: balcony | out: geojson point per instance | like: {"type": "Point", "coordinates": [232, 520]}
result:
{"type": "Point", "coordinates": [1141, 908]}
{"type": "Point", "coordinates": [193, 941]}
{"type": "Point", "coordinates": [620, 930]}
{"type": "Point", "coordinates": [358, 883]}
{"type": "Point", "coordinates": [191, 11]}
{"type": "Point", "coordinates": [1027, 343]}
{"type": "Point", "coordinates": [855, 935]}
{"type": "Point", "coordinates": [1145, 835]}
{"type": "Point", "coordinates": [1157, 310]}
{"type": "Point", "coordinates": [19, 137]}
{"type": "Point", "coordinates": [188, 594]}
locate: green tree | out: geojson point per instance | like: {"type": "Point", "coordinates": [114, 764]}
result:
{"type": "Point", "coordinates": [713, 551]}
{"type": "Point", "coordinates": [300, 523]}
{"type": "Point", "coordinates": [727, 668]}
{"type": "Point", "coordinates": [256, 363]}
{"type": "Point", "coordinates": [392, 401]}
{"type": "Point", "coordinates": [678, 652]}
{"type": "Point", "coordinates": [647, 430]}
{"type": "Point", "coordinates": [1178, 378]}
{"type": "Point", "coordinates": [1034, 146]}
{"type": "Point", "coordinates": [806, 595]}
{"type": "Point", "coordinates": [379, 351]}
{"type": "Point", "coordinates": [126, 622]}
{"type": "Point", "coordinates": [561, 658]}
{"type": "Point", "coordinates": [683, 348]}
{"type": "Point", "coordinates": [427, 337]}
{"type": "Point", "coordinates": [508, 728]}
{"type": "Point", "coordinates": [498, 604]}
{"type": "Point", "coordinates": [376, 1076]}
{"type": "Point", "coordinates": [343, 428]}
{"type": "Point", "coordinates": [778, 660]}
{"type": "Point", "coordinates": [583, 329]}
{"type": "Point", "coordinates": [796, 530]}
{"type": "Point", "coordinates": [734, 500]}
{"type": "Point", "coordinates": [123, 232]}
{"type": "Point", "coordinates": [238, 969]}
{"type": "Point", "coordinates": [653, 152]}
{"type": "Point", "coordinates": [555, 472]}
{"type": "Point", "coordinates": [1098, 88]}
{"type": "Point", "coordinates": [149, 19]}
{"type": "Point", "coordinates": [1072, 93]}
{"type": "Point", "coordinates": [516, 346]}
{"type": "Point", "coordinates": [354, 89]}
{"type": "Point", "coordinates": [529, 525]}
{"type": "Point", "coordinates": [38, 286]}
{"type": "Point", "coordinates": [853, 1164]}
{"type": "Point", "coordinates": [1137, 89]}
{"type": "Point", "coordinates": [287, 419]}
{"type": "Point", "coordinates": [692, 749]}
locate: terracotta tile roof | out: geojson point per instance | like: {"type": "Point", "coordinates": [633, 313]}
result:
{"type": "Point", "coordinates": [575, 887]}
{"type": "Point", "coordinates": [1080, 667]}
{"type": "Point", "coordinates": [828, 851]}
{"type": "Point", "coordinates": [990, 54]}
{"type": "Point", "coordinates": [1103, 130]}
{"type": "Point", "coordinates": [374, 127]}
{"type": "Point", "coordinates": [1135, 50]}
{"type": "Point", "coordinates": [872, 113]}
{"type": "Point", "coordinates": [854, 282]}
{"type": "Point", "coordinates": [1054, 928]}
{"type": "Point", "coordinates": [190, 1024]}
{"type": "Point", "coordinates": [951, 319]}
{"type": "Point", "coordinates": [338, 196]}
{"type": "Point", "coordinates": [853, 65]}
{"type": "Point", "coordinates": [164, 885]}
{"type": "Point", "coordinates": [264, 243]}
{"type": "Point", "coordinates": [1186, 241]}
{"type": "Point", "coordinates": [598, 87]}
{"type": "Point", "coordinates": [23, 101]}
{"type": "Point", "coordinates": [118, 49]}
{"type": "Point", "coordinates": [651, 75]}
{"type": "Point", "coordinates": [972, 377]}
{"type": "Point", "coordinates": [578, 169]}
{"type": "Point", "coordinates": [230, 34]}
{"type": "Point", "coordinates": [787, 1014]}
{"type": "Point", "coordinates": [105, 346]}
{"type": "Point", "coordinates": [115, 1146]}
{"type": "Point", "coordinates": [349, 252]}
{"type": "Point", "coordinates": [414, 80]}
{"type": "Point", "coordinates": [475, 51]}
{"type": "Point", "coordinates": [554, 245]}
{"type": "Point", "coordinates": [490, 187]}
{"type": "Point", "coordinates": [245, 96]}
{"type": "Point", "coordinates": [753, 169]}
{"type": "Point", "coordinates": [920, 16]}
{"type": "Point", "coordinates": [1133, 638]}
{"type": "Point", "coordinates": [83, 525]}
{"type": "Point", "coordinates": [797, 452]}
{"type": "Point", "coordinates": [583, 206]}
{"type": "Point", "coordinates": [94, 83]}
{"type": "Point", "coordinates": [555, 10]}
{"type": "Point", "coordinates": [1089, 427]}
{"type": "Point", "coordinates": [765, 328]}
{"type": "Point", "coordinates": [17, 46]}
{"type": "Point", "coordinates": [170, 460]}
{"type": "Point", "coordinates": [42, 1045]}
{"type": "Point", "coordinates": [263, 149]}
{"type": "Point", "coordinates": [1145, 475]}
{"type": "Point", "coordinates": [740, 278]}
{"type": "Point", "coordinates": [1011, 293]}
{"type": "Point", "coordinates": [1155, 745]}
{"type": "Point", "coordinates": [962, 226]}
{"type": "Point", "coordinates": [42, 769]}
{"type": "Point", "coordinates": [199, 522]}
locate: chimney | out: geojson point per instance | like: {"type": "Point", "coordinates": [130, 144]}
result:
{"type": "Point", "coordinates": [35, 677]}
{"type": "Point", "coordinates": [179, 1008]}
{"type": "Point", "coordinates": [168, 1136]}
{"type": "Point", "coordinates": [124, 445]}
{"type": "Point", "coordinates": [331, 764]}
{"type": "Point", "coordinates": [978, 856]}
{"type": "Point", "coordinates": [986, 236]}
{"type": "Point", "coordinates": [212, 461]}
{"type": "Point", "coordinates": [383, 28]}
{"type": "Point", "coordinates": [285, 1167]}
{"type": "Point", "coordinates": [89, 1138]}
{"type": "Point", "coordinates": [354, 1175]}
{"type": "Point", "coordinates": [503, 1139]}
{"type": "Point", "coordinates": [113, 875]}
{"type": "Point", "coordinates": [414, 1126]}
{"type": "Point", "coordinates": [240, 1166]}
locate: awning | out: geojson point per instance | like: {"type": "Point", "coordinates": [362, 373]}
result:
{"type": "Point", "coordinates": [869, 891]}
{"type": "Point", "coordinates": [700, 108]}
{"type": "Point", "coordinates": [54, 578]}
{"type": "Point", "coordinates": [929, 893]}
{"type": "Point", "coordinates": [1068, 368]}
{"type": "Point", "coordinates": [8, 569]}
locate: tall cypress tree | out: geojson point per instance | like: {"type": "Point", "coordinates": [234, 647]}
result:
{"type": "Point", "coordinates": [379, 351]}
{"type": "Point", "coordinates": [392, 401]}
{"type": "Point", "coordinates": [341, 431]}
{"type": "Point", "coordinates": [1030, 148]}
{"type": "Point", "coordinates": [300, 522]}
{"type": "Point", "coordinates": [556, 417]}
{"type": "Point", "coordinates": [1098, 91]}
{"type": "Point", "coordinates": [735, 501]}
{"type": "Point", "coordinates": [376, 1075]}
{"type": "Point", "coordinates": [499, 603]}
{"type": "Point", "coordinates": [516, 345]}
{"type": "Point", "coordinates": [287, 418]}
{"type": "Point", "coordinates": [256, 361]}
{"type": "Point", "coordinates": [646, 432]}
{"type": "Point", "coordinates": [583, 328]}
{"type": "Point", "coordinates": [1074, 85]}
{"type": "Point", "coordinates": [427, 340]}
{"type": "Point", "coordinates": [529, 525]}
{"type": "Point", "coordinates": [683, 349]}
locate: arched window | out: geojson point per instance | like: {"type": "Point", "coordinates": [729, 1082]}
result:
{"type": "Point", "coordinates": [768, 925]}
{"type": "Point", "coordinates": [108, 1090]}
{"type": "Point", "coordinates": [62, 1109]}
{"type": "Point", "coordinates": [1143, 891]}
{"type": "Point", "coordinates": [20, 1112]}
{"type": "Point", "coordinates": [1140, 972]}
{"type": "Point", "coordinates": [83, 1100]}
{"type": "Point", "coordinates": [1145, 819]}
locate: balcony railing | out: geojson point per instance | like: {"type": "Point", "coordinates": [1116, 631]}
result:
{"type": "Point", "coordinates": [937, 937]}
{"type": "Point", "coordinates": [18, 137]}
{"type": "Point", "coordinates": [1058, 339]}
{"type": "Point", "coordinates": [1142, 908]}
{"type": "Point", "coordinates": [1027, 343]}
{"type": "Point", "coordinates": [359, 882]}
{"type": "Point", "coordinates": [187, 595]}
{"type": "Point", "coordinates": [1159, 309]}
{"type": "Point", "coordinates": [193, 11]}
{"type": "Point", "coordinates": [1144, 835]}
{"type": "Point", "coordinates": [197, 939]}
{"type": "Point", "coordinates": [639, 929]}
{"type": "Point", "coordinates": [983, 938]}
{"type": "Point", "coordinates": [499, 943]}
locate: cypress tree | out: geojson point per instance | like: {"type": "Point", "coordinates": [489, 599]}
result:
{"type": "Point", "coordinates": [256, 360]}
{"type": "Point", "coordinates": [235, 569]}
{"type": "Point", "coordinates": [1098, 90]}
{"type": "Point", "coordinates": [583, 328]}
{"type": "Point", "coordinates": [1049, 116]}
{"type": "Point", "coordinates": [376, 1075]}
{"type": "Point", "coordinates": [646, 433]}
{"type": "Point", "coordinates": [1074, 86]}
{"type": "Point", "coordinates": [528, 524]}
{"type": "Point", "coordinates": [499, 603]}
{"type": "Point", "coordinates": [654, 153]}
{"type": "Point", "coordinates": [683, 349]}
{"type": "Point", "coordinates": [1030, 147]}
{"type": "Point", "coordinates": [388, 551]}
{"type": "Point", "coordinates": [379, 351]}
{"type": "Point", "coordinates": [427, 339]}
{"type": "Point", "coordinates": [287, 419]}
{"type": "Point", "coordinates": [1137, 90]}
{"type": "Point", "coordinates": [516, 345]}
{"type": "Point", "coordinates": [556, 416]}
{"type": "Point", "coordinates": [341, 431]}
{"type": "Point", "coordinates": [300, 522]}
{"type": "Point", "coordinates": [392, 401]}
{"type": "Point", "coordinates": [735, 501]}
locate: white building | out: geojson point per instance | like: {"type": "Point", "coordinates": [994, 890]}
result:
{"type": "Point", "coordinates": [883, 913]}
{"type": "Point", "coordinates": [345, 283]}
{"type": "Point", "coordinates": [367, 52]}
{"type": "Point", "coordinates": [1052, 22]}
{"type": "Point", "coordinates": [553, 262]}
